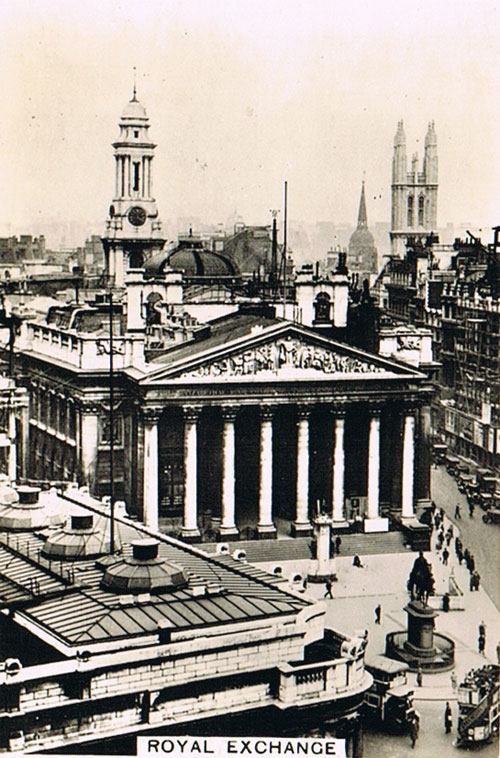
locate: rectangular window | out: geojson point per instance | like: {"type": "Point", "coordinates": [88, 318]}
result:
{"type": "Point", "coordinates": [136, 176]}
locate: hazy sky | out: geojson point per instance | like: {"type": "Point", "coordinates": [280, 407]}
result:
{"type": "Point", "coordinates": [241, 95]}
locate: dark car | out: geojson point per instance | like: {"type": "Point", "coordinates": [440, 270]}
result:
{"type": "Point", "coordinates": [492, 516]}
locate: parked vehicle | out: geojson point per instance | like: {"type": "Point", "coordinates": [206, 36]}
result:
{"type": "Point", "coordinates": [463, 480]}
{"type": "Point", "coordinates": [486, 480]}
{"type": "Point", "coordinates": [492, 516]}
{"type": "Point", "coordinates": [451, 464]}
{"type": "Point", "coordinates": [486, 501]}
{"type": "Point", "coordinates": [439, 453]}
{"type": "Point", "coordinates": [390, 698]}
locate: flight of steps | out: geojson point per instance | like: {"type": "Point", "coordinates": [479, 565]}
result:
{"type": "Point", "coordinates": [262, 551]}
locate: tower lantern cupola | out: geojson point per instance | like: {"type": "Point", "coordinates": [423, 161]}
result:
{"type": "Point", "coordinates": [133, 228]}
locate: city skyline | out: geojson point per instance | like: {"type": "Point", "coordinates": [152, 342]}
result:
{"type": "Point", "coordinates": [242, 97]}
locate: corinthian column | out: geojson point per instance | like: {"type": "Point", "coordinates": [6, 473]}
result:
{"type": "Point", "coordinates": [338, 468]}
{"type": "Point", "coordinates": [373, 522]}
{"type": "Point", "coordinates": [228, 527]}
{"type": "Point", "coordinates": [407, 509]}
{"type": "Point", "coordinates": [150, 472]}
{"type": "Point", "coordinates": [265, 527]}
{"type": "Point", "coordinates": [190, 529]}
{"type": "Point", "coordinates": [302, 526]}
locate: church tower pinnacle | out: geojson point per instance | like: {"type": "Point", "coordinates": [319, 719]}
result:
{"type": "Point", "coordinates": [362, 252]}
{"type": "Point", "coordinates": [414, 192]}
{"type": "Point", "coordinates": [362, 216]}
{"type": "Point", "coordinates": [133, 229]}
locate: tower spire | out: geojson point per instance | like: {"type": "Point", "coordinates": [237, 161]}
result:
{"type": "Point", "coordinates": [362, 215]}
{"type": "Point", "coordinates": [134, 92]}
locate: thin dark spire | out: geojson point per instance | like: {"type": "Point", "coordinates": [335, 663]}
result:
{"type": "Point", "coordinates": [134, 93]}
{"type": "Point", "coordinates": [362, 215]}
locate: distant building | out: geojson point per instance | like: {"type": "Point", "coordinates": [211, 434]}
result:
{"type": "Point", "coordinates": [90, 257]}
{"type": "Point", "coordinates": [229, 401]}
{"type": "Point", "coordinates": [362, 253]}
{"type": "Point", "coordinates": [414, 192]}
{"type": "Point", "coordinates": [27, 247]}
{"type": "Point", "coordinates": [454, 291]}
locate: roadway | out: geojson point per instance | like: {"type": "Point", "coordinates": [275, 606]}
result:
{"type": "Point", "coordinates": [483, 540]}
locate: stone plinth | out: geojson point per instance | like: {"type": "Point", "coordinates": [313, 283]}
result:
{"type": "Point", "coordinates": [420, 639]}
{"type": "Point", "coordinates": [421, 647]}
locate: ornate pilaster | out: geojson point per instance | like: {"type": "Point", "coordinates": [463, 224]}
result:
{"type": "Point", "coordinates": [150, 418]}
{"type": "Point", "coordinates": [407, 493]}
{"type": "Point", "coordinates": [338, 494]}
{"type": "Point", "coordinates": [265, 527]}
{"type": "Point", "coordinates": [228, 528]}
{"type": "Point", "coordinates": [302, 526]}
{"type": "Point", "coordinates": [190, 530]}
{"type": "Point", "coordinates": [373, 522]}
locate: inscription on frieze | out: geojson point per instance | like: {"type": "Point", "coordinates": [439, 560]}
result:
{"type": "Point", "coordinates": [282, 355]}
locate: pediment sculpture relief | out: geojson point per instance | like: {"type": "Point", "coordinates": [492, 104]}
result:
{"type": "Point", "coordinates": [282, 355]}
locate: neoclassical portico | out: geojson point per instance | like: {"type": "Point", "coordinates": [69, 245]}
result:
{"type": "Point", "coordinates": [303, 507]}
{"type": "Point", "coordinates": [221, 414]}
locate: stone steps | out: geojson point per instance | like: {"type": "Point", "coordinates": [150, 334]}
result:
{"type": "Point", "coordinates": [263, 551]}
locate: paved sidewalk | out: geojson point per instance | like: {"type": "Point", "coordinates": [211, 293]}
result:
{"type": "Point", "coordinates": [383, 580]}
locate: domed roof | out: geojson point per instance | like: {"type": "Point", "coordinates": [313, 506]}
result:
{"type": "Point", "coordinates": [143, 571]}
{"type": "Point", "coordinates": [77, 540]}
{"type": "Point", "coordinates": [134, 110]}
{"type": "Point", "coordinates": [361, 238]}
{"type": "Point", "coordinates": [193, 260]}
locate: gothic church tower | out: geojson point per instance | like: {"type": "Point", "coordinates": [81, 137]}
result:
{"type": "Point", "coordinates": [414, 192]}
{"type": "Point", "coordinates": [133, 229]}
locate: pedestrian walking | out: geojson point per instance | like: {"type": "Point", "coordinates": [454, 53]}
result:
{"type": "Point", "coordinates": [454, 681]}
{"type": "Point", "coordinates": [471, 583]}
{"type": "Point", "coordinates": [481, 630]}
{"type": "Point", "coordinates": [448, 721]}
{"type": "Point", "coordinates": [446, 555]}
{"type": "Point", "coordinates": [378, 613]}
{"type": "Point", "coordinates": [471, 509]}
{"type": "Point", "coordinates": [498, 653]}
{"type": "Point", "coordinates": [414, 728]}
{"type": "Point", "coordinates": [481, 644]}
{"type": "Point", "coordinates": [477, 580]}
{"type": "Point", "coordinates": [338, 542]}
{"type": "Point", "coordinates": [420, 678]}
{"type": "Point", "coordinates": [472, 564]}
{"type": "Point", "coordinates": [460, 557]}
{"type": "Point", "coordinates": [328, 589]}
{"type": "Point", "coordinates": [458, 515]}
{"type": "Point", "coordinates": [446, 602]}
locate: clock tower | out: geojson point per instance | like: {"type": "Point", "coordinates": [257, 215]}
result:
{"type": "Point", "coordinates": [133, 228]}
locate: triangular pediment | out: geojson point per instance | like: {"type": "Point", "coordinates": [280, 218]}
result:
{"type": "Point", "coordinates": [287, 353]}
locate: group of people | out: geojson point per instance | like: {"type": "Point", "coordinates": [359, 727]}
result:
{"type": "Point", "coordinates": [443, 541]}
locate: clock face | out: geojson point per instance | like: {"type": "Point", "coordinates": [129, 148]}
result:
{"type": "Point", "coordinates": [137, 216]}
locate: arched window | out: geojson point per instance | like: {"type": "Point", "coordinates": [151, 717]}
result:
{"type": "Point", "coordinates": [421, 210]}
{"type": "Point", "coordinates": [410, 211]}
{"type": "Point", "coordinates": [136, 260]}
{"type": "Point", "coordinates": [322, 306]}
{"type": "Point", "coordinates": [136, 176]}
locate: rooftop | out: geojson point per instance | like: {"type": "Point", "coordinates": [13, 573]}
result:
{"type": "Point", "coordinates": [66, 600]}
